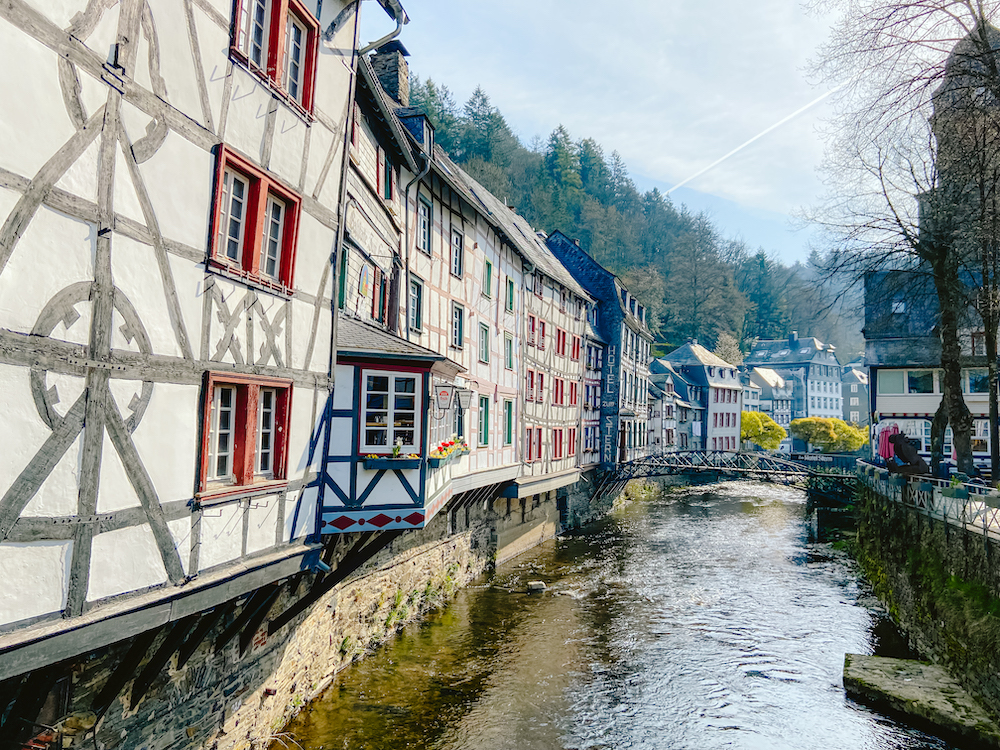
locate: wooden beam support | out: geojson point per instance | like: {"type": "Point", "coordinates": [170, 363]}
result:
{"type": "Point", "coordinates": [208, 621]}
{"type": "Point", "coordinates": [159, 659]}
{"type": "Point", "coordinates": [124, 671]}
{"type": "Point", "coordinates": [258, 599]}
{"type": "Point", "coordinates": [250, 629]}
{"type": "Point", "coordinates": [354, 559]}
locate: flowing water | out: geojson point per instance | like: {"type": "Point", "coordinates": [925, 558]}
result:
{"type": "Point", "coordinates": [705, 619]}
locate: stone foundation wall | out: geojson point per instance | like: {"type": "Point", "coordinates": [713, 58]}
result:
{"type": "Point", "coordinates": [942, 586]}
{"type": "Point", "coordinates": [221, 699]}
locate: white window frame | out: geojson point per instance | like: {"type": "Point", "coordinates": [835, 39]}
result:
{"type": "Point", "coordinates": [425, 217]}
{"type": "Point", "coordinates": [247, 23]}
{"type": "Point", "coordinates": [457, 252]}
{"type": "Point", "coordinates": [415, 303]}
{"type": "Point", "coordinates": [457, 325]}
{"type": "Point", "coordinates": [266, 425]}
{"type": "Point", "coordinates": [508, 351]}
{"type": "Point", "coordinates": [293, 23]}
{"type": "Point", "coordinates": [487, 279]}
{"type": "Point", "coordinates": [484, 422]}
{"type": "Point", "coordinates": [213, 474]}
{"type": "Point", "coordinates": [269, 239]}
{"type": "Point", "coordinates": [390, 428]}
{"type": "Point", "coordinates": [226, 215]}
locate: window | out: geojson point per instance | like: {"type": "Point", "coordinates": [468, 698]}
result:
{"type": "Point", "coordinates": [898, 308]}
{"type": "Point", "coordinates": [245, 431]}
{"type": "Point", "coordinates": [416, 304]}
{"type": "Point", "coordinates": [540, 394]}
{"type": "Point", "coordinates": [386, 176]}
{"type": "Point", "coordinates": [457, 325]}
{"type": "Point", "coordinates": [484, 421]}
{"type": "Point", "coordinates": [509, 301]}
{"type": "Point", "coordinates": [529, 385]}
{"type": "Point", "coordinates": [278, 40]}
{"type": "Point", "coordinates": [457, 252]}
{"type": "Point", "coordinates": [920, 381]}
{"type": "Point", "coordinates": [854, 402]}
{"type": "Point", "coordinates": [557, 443]}
{"type": "Point", "coordinates": [508, 422]}
{"type": "Point", "coordinates": [563, 295]}
{"type": "Point", "coordinates": [536, 283]}
{"type": "Point", "coordinates": [560, 342]}
{"type": "Point", "coordinates": [532, 325]}
{"type": "Point", "coordinates": [979, 381]}
{"type": "Point", "coordinates": [508, 351]}
{"type": "Point", "coordinates": [854, 387]}
{"type": "Point", "coordinates": [424, 222]}
{"type": "Point", "coordinates": [855, 416]}
{"type": "Point", "coordinates": [484, 342]}
{"type": "Point", "coordinates": [256, 221]}
{"type": "Point", "coordinates": [573, 394]}
{"type": "Point", "coordinates": [391, 411]}
{"type": "Point", "coordinates": [541, 334]}
{"type": "Point", "coordinates": [380, 296]}
{"type": "Point", "coordinates": [487, 279]}
{"type": "Point", "coordinates": [533, 443]}
{"type": "Point", "coordinates": [459, 426]}
{"type": "Point", "coordinates": [558, 386]}
{"type": "Point", "coordinates": [575, 352]}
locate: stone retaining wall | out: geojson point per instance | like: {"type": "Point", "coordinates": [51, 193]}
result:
{"type": "Point", "coordinates": [942, 586]}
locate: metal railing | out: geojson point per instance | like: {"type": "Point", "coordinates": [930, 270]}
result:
{"type": "Point", "coordinates": [972, 507]}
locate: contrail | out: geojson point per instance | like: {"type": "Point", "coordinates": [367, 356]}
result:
{"type": "Point", "coordinates": [759, 135]}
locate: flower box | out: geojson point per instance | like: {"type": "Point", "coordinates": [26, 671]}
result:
{"type": "Point", "coordinates": [897, 480]}
{"type": "Point", "coordinates": [437, 463]}
{"type": "Point", "coordinates": [387, 462]}
{"type": "Point", "coordinates": [925, 487]}
{"type": "Point", "coordinates": [957, 492]}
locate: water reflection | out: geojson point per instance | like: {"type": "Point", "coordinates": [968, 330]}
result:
{"type": "Point", "coordinates": [704, 620]}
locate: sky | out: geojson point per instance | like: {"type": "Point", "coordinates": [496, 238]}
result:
{"type": "Point", "coordinates": [672, 86]}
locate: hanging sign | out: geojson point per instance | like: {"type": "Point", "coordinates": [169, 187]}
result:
{"type": "Point", "coordinates": [444, 394]}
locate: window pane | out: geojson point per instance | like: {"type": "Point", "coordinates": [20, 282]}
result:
{"type": "Point", "coordinates": [890, 381]}
{"type": "Point", "coordinates": [232, 221]}
{"type": "Point", "coordinates": [270, 253]}
{"type": "Point", "coordinates": [258, 32]}
{"type": "Point", "coordinates": [294, 44]}
{"type": "Point", "coordinates": [920, 382]}
{"type": "Point", "coordinates": [979, 381]}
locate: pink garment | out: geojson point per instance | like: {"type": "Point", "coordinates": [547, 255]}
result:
{"type": "Point", "coordinates": [886, 449]}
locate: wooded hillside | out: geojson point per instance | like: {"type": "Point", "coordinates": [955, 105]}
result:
{"type": "Point", "coordinates": [695, 282]}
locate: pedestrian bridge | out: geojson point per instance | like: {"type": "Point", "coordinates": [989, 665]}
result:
{"type": "Point", "coordinates": [836, 486]}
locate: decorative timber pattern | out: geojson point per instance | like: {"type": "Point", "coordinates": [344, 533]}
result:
{"type": "Point", "coordinates": [110, 317]}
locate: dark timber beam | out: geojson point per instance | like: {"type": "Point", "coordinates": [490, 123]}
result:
{"type": "Point", "coordinates": [159, 659]}
{"type": "Point", "coordinates": [208, 621]}
{"type": "Point", "coordinates": [124, 671]}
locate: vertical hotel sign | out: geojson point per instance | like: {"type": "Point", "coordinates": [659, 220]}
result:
{"type": "Point", "coordinates": [609, 407]}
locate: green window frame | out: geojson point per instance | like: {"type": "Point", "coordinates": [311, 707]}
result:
{"type": "Point", "coordinates": [508, 422]}
{"type": "Point", "coordinates": [488, 279]}
{"type": "Point", "coordinates": [484, 420]}
{"type": "Point", "coordinates": [510, 295]}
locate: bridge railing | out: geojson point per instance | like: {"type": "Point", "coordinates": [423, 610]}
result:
{"type": "Point", "coordinates": [973, 507]}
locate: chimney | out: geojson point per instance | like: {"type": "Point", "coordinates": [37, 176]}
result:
{"type": "Point", "coordinates": [793, 339]}
{"type": "Point", "coordinates": [389, 63]}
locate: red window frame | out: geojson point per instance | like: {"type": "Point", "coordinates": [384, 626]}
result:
{"type": "Point", "coordinates": [532, 322]}
{"type": "Point", "coordinates": [573, 394]}
{"type": "Point", "coordinates": [273, 72]}
{"type": "Point", "coordinates": [529, 390]}
{"type": "Point", "coordinates": [571, 441]}
{"type": "Point", "coordinates": [575, 351]}
{"type": "Point", "coordinates": [560, 342]}
{"type": "Point", "coordinates": [261, 186]}
{"type": "Point", "coordinates": [558, 391]}
{"type": "Point", "coordinates": [540, 398]}
{"type": "Point", "coordinates": [541, 334]}
{"type": "Point", "coordinates": [557, 443]}
{"type": "Point", "coordinates": [245, 433]}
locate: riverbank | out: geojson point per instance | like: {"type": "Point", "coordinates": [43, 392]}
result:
{"type": "Point", "coordinates": [707, 617]}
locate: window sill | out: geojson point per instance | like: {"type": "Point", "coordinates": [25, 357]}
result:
{"type": "Point", "coordinates": [218, 495]}
{"type": "Point", "coordinates": [244, 277]}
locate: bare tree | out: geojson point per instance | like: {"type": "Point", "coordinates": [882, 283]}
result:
{"type": "Point", "coordinates": [901, 195]}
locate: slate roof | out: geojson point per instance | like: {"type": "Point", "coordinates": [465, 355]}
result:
{"type": "Point", "coordinates": [789, 351]}
{"type": "Point", "coordinates": [385, 112]}
{"type": "Point", "coordinates": [769, 376]}
{"type": "Point", "coordinates": [692, 353]}
{"type": "Point", "coordinates": [355, 337]}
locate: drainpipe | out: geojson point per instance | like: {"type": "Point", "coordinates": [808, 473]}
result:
{"type": "Point", "coordinates": [401, 18]}
{"type": "Point", "coordinates": [428, 156]}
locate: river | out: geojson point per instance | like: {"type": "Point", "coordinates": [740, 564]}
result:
{"type": "Point", "coordinates": [702, 619]}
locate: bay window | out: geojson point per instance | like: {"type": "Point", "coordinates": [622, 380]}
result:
{"type": "Point", "coordinates": [391, 411]}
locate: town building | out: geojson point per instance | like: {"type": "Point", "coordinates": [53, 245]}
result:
{"type": "Point", "coordinates": [776, 399]}
{"type": "Point", "coordinates": [621, 321]}
{"type": "Point", "coordinates": [812, 367]}
{"type": "Point", "coordinates": [715, 385]}
{"type": "Point", "coordinates": [854, 384]}
{"type": "Point", "coordinates": [751, 393]}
